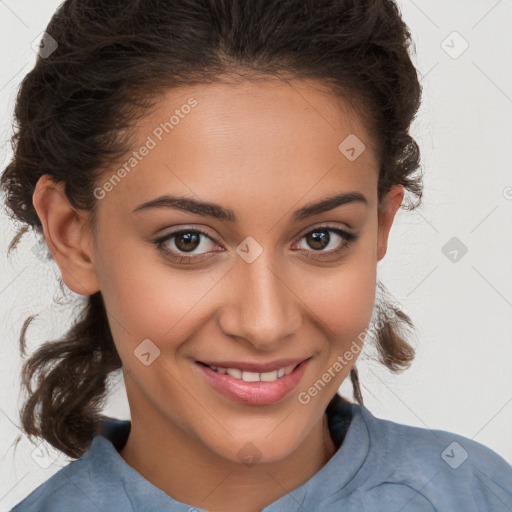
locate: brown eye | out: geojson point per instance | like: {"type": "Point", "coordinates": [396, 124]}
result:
{"type": "Point", "coordinates": [180, 245]}
{"type": "Point", "coordinates": [321, 237]}
{"type": "Point", "coordinates": [318, 239]}
{"type": "Point", "coordinates": [185, 241]}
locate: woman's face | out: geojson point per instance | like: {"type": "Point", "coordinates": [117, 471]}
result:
{"type": "Point", "coordinates": [263, 284]}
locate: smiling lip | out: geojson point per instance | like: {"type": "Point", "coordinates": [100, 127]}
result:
{"type": "Point", "coordinates": [255, 393]}
{"type": "Point", "coordinates": [256, 367]}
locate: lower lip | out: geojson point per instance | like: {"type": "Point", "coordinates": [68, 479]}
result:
{"type": "Point", "coordinates": [254, 393]}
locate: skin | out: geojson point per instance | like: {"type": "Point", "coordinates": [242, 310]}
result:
{"type": "Point", "coordinates": [263, 150]}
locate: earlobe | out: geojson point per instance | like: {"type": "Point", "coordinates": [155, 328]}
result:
{"type": "Point", "coordinates": [65, 232]}
{"type": "Point", "coordinates": [390, 205]}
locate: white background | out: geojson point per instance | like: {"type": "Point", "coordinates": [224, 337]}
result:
{"type": "Point", "coordinates": [461, 380]}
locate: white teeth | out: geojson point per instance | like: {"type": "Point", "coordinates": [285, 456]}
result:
{"type": "Point", "coordinates": [289, 369]}
{"type": "Point", "coordinates": [253, 376]}
{"type": "Point", "coordinates": [237, 374]}
{"type": "Point", "coordinates": [269, 376]}
{"type": "Point", "coordinates": [250, 376]}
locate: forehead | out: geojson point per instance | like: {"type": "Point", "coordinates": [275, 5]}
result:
{"type": "Point", "coordinates": [253, 139]}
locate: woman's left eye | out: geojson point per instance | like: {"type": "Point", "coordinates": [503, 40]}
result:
{"type": "Point", "coordinates": [321, 237]}
{"type": "Point", "coordinates": [188, 240]}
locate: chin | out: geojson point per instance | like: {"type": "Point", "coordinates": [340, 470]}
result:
{"type": "Point", "coordinates": [254, 450]}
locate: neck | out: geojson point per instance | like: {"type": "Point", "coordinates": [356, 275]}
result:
{"type": "Point", "coordinates": [185, 470]}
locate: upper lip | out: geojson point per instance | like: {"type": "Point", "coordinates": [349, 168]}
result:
{"type": "Point", "coordinates": [256, 367]}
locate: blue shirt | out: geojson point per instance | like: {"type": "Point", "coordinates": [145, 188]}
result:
{"type": "Point", "coordinates": [381, 466]}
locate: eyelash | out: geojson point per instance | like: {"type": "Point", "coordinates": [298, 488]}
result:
{"type": "Point", "coordinates": [348, 240]}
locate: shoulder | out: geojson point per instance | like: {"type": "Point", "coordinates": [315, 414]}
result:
{"type": "Point", "coordinates": [85, 484]}
{"type": "Point", "coordinates": [443, 467]}
{"type": "Point", "coordinates": [60, 491]}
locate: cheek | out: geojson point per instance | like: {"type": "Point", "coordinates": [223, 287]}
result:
{"type": "Point", "coordinates": [343, 301]}
{"type": "Point", "coordinates": [144, 297]}
{"type": "Point", "coordinates": [344, 307]}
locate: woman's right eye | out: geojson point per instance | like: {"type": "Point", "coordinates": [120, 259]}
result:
{"type": "Point", "coordinates": [184, 240]}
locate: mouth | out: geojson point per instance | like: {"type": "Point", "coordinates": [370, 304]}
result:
{"type": "Point", "coordinates": [252, 376]}
{"type": "Point", "coordinates": [237, 382]}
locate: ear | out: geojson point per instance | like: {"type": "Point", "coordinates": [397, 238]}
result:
{"type": "Point", "coordinates": [386, 214]}
{"type": "Point", "coordinates": [67, 235]}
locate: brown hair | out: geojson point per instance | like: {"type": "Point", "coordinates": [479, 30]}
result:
{"type": "Point", "coordinates": [74, 110]}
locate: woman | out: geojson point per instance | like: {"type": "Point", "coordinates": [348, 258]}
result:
{"type": "Point", "coordinates": [219, 178]}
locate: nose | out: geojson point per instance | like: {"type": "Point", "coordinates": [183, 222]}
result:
{"type": "Point", "coordinates": [263, 308]}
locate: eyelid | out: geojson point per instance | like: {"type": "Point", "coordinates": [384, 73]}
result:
{"type": "Point", "coordinates": [185, 227]}
{"type": "Point", "coordinates": [321, 225]}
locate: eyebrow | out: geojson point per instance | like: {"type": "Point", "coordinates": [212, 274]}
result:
{"type": "Point", "coordinates": [216, 211]}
